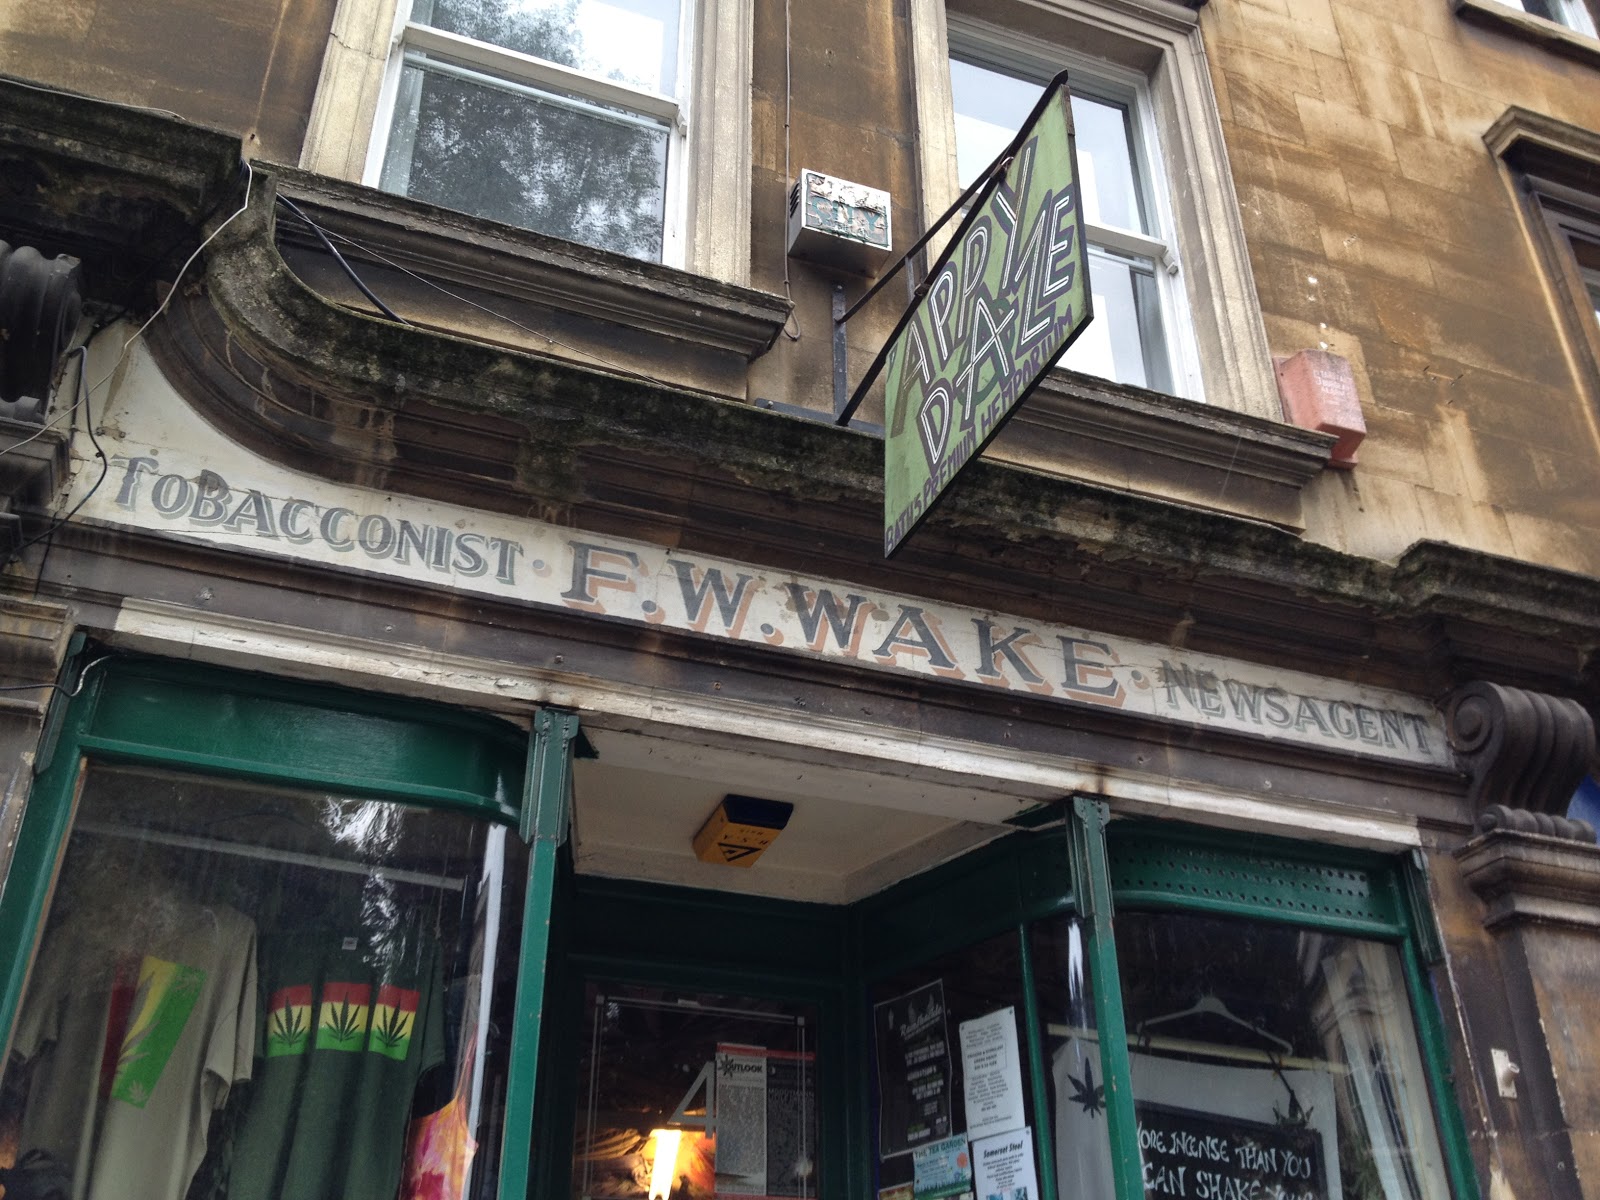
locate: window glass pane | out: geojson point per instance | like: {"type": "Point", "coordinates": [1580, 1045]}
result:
{"type": "Point", "coordinates": [1105, 164]}
{"type": "Point", "coordinates": [1125, 341]}
{"type": "Point", "coordinates": [1072, 1048]}
{"type": "Point", "coordinates": [990, 107]}
{"type": "Point", "coordinates": [1570, 13]}
{"type": "Point", "coordinates": [1271, 1058]}
{"type": "Point", "coordinates": [252, 992]}
{"type": "Point", "coordinates": [919, 1078]}
{"type": "Point", "coordinates": [551, 163]}
{"type": "Point", "coordinates": [659, 1064]}
{"type": "Point", "coordinates": [630, 41]}
{"type": "Point", "coordinates": [1587, 252]}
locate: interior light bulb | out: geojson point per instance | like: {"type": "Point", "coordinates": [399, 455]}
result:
{"type": "Point", "coordinates": [665, 1172]}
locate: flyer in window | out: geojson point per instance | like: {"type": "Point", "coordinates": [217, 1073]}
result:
{"type": "Point", "coordinates": [741, 1121]}
{"type": "Point", "coordinates": [913, 1044]}
{"type": "Point", "coordinates": [1002, 1167]}
{"type": "Point", "coordinates": [766, 1121]}
{"type": "Point", "coordinates": [942, 1170]}
{"type": "Point", "coordinates": [993, 1074]}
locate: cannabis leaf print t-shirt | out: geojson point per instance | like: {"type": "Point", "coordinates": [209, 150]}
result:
{"type": "Point", "coordinates": [349, 1026]}
{"type": "Point", "coordinates": [137, 1024]}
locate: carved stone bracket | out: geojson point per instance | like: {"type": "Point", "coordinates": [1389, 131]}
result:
{"type": "Point", "coordinates": [40, 303]}
{"type": "Point", "coordinates": [1526, 753]}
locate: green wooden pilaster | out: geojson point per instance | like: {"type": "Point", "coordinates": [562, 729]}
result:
{"type": "Point", "coordinates": [1436, 1057]}
{"type": "Point", "coordinates": [43, 832]}
{"type": "Point", "coordinates": [545, 813]}
{"type": "Point", "coordinates": [1044, 1146]}
{"type": "Point", "coordinates": [1091, 886]}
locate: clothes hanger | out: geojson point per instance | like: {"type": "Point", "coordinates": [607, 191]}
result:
{"type": "Point", "coordinates": [1209, 1005]}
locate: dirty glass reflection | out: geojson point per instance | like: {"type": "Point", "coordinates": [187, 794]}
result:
{"type": "Point", "coordinates": [257, 993]}
{"type": "Point", "coordinates": [1288, 1055]}
{"type": "Point", "coordinates": [693, 1095]}
{"type": "Point", "coordinates": [634, 42]}
{"type": "Point", "coordinates": [1072, 1056]}
{"type": "Point", "coordinates": [555, 164]}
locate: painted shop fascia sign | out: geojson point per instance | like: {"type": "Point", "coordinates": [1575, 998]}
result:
{"type": "Point", "coordinates": [173, 474]}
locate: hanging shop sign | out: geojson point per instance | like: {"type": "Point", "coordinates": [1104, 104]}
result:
{"type": "Point", "coordinates": [173, 474]}
{"type": "Point", "coordinates": [1005, 299]}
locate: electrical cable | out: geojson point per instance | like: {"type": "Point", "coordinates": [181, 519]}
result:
{"type": "Point", "coordinates": [144, 108]}
{"type": "Point", "coordinates": [249, 184]}
{"type": "Point", "coordinates": [42, 430]}
{"type": "Point", "coordinates": [85, 391]}
{"type": "Point", "coordinates": [68, 693]}
{"type": "Point", "coordinates": [160, 308]}
{"type": "Point", "coordinates": [499, 316]}
{"type": "Point", "coordinates": [105, 463]}
{"type": "Point", "coordinates": [340, 259]}
{"type": "Point", "coordinates": [788, 112]}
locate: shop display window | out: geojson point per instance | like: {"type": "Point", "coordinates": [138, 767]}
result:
{"type": "Point", "coordinates": [955, 1082]}
{"type": "Point", "coordinates": [943, 1031]}
{"type": "Point", "coordinates": [248, 992]}
{"type": "Point", "coordinates": [1274, 1061]}
{"type": "Point", "coordinates": [1076, 1088]}
{"type": "Point", "coordinates": [688, 1095]}
{"type": "Point", "coordinates": [228, 981]}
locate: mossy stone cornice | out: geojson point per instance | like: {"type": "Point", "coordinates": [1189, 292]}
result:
{"type": "Point", "coordinates": [579, 422]}
{"type": "Point", "coordinates": [416, 411]}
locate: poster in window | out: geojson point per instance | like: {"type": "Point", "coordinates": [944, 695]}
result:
{"type": "Point", "coordinates": [741, 1121]}
{"type": "Point", "coordinates": [942, 1170]}
{"type": "Point", "coordinates": [913, 1045]}
{"type": "Point", "coordinates": [1206, 1129]}
{"type": "Point", "coordinates": [791, 1124]}
{"type": "Point", "coordinates": [1192, 1153]}
{"type": "Point", "coordinates": [766, 1123]}
{"type": "Point", "coordinates": [991, 1070]}
{"type": "Point", "coordinates": [1003, 1168]}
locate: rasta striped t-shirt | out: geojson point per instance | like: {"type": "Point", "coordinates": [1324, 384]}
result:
{"type": "Point", "coordinates": [350, 1025]}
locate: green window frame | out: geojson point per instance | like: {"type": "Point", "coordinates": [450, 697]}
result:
{"type": "Point", "coordinates": [1090, 866]}
{"type": "Point", "coordinates": [231, 724]}
{"type": "Point", "coordinates": [227, 724]}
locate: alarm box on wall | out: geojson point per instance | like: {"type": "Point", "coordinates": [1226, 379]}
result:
{"type": "Point", "coordinates": [839, 224]}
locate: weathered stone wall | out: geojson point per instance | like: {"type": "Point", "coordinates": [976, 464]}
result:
{"type": "Point", "coordinates": [248, 67]}
{"type": "Point", "coordinates": [1381, 226]}
{"type": "Point", "coordinates": [851, 114]}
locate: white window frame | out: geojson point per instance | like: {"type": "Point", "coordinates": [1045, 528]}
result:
{"type": "Point", "coordinates": [1154, 47]}
{"type": "Point", "coordinates": [1574, 14]}
{"type": "Point", "coordinates": [1010, 53]}
{"type": "Point", "coordinates": [706, 221]}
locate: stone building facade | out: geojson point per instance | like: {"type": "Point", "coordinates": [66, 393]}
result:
{"type": "Point", "coordinates": [428, 539]}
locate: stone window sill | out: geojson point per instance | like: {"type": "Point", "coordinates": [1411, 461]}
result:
{"type": "Point", "coordinates": [1158, 445]}
{"type": "Point", "coordinates": [1073, 426]}
{"type": "Point", "coordinates": [1550, 35]}
{"type": "Point", "coordinates": [495, 268]}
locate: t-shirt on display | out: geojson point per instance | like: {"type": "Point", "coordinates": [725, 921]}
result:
{"type": "Point", "coordinates": [137, 1022]}
{"type": "Point", "coordinates": [349, 1025]}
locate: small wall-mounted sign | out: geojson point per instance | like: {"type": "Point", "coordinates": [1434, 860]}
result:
{"type": "Point", "coordinates": [740, 830]}
{"type": "Point", "coordinates": [838, 223]}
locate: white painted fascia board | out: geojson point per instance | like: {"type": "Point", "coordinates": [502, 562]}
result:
{"type": "Point", "coordinates": [183, 632]}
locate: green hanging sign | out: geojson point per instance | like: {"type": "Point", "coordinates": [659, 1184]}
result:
{"type": "Point", "coordinates": [1001, 305]}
